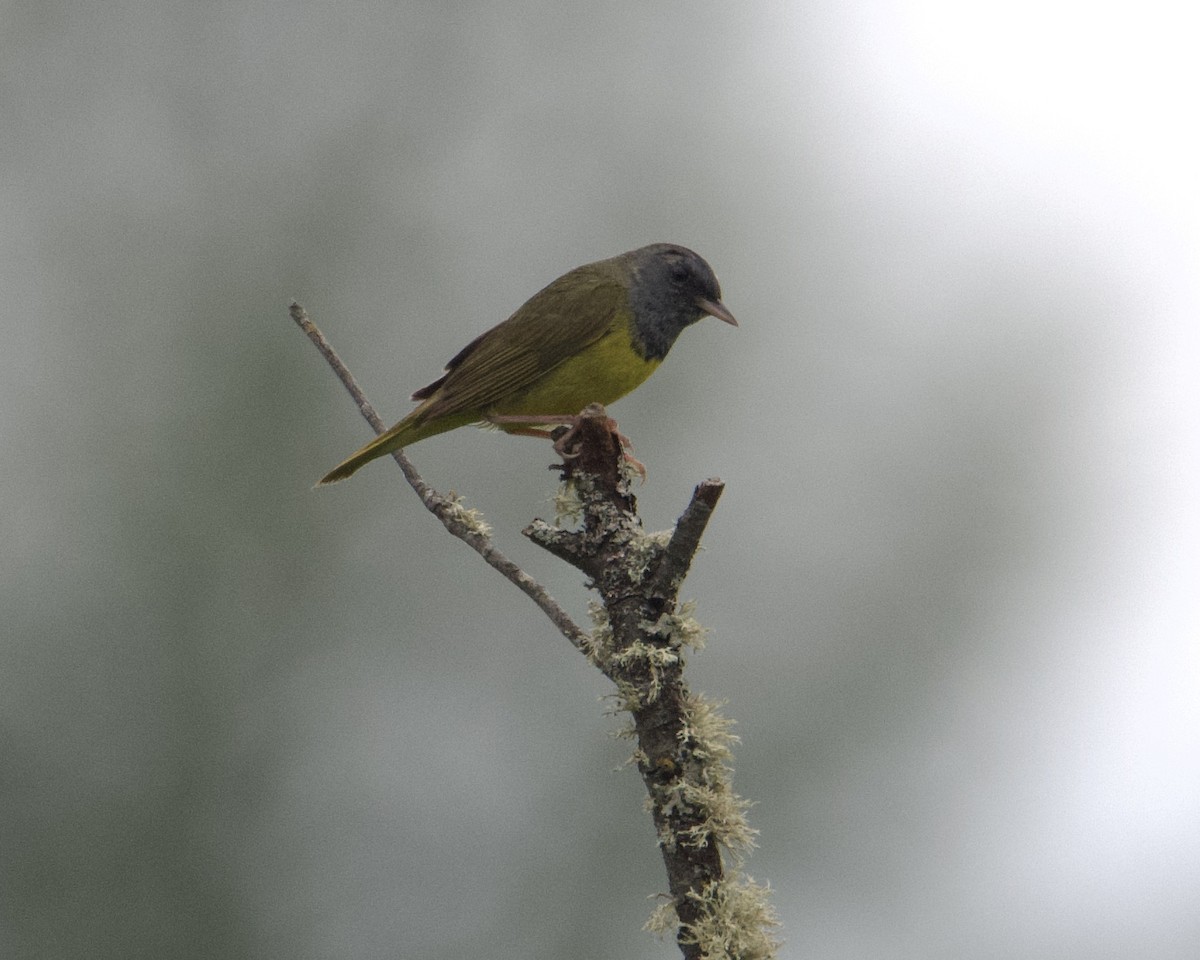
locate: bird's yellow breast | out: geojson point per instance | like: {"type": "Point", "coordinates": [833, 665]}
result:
{"type": "Point", "coordinates": [602, 372]}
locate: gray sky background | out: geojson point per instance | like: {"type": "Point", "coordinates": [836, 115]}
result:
{"type": "Point", "coordinates": [952, 584]}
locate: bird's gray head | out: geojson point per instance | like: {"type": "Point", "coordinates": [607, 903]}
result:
{"type": "Point", "coordinates": [670, 288]}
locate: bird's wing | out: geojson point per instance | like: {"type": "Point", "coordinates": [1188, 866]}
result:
{"type": "Point", "coordinates": [553, 326]}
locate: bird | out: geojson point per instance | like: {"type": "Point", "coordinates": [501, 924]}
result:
{"type": "Point", "coordinates": [591, 336]}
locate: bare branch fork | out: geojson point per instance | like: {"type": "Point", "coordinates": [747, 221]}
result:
{"type": "Point", "coordinates": [641, 630]}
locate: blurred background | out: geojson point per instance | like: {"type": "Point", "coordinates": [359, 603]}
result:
{"type": "Point", "coordinates": [952, 584]}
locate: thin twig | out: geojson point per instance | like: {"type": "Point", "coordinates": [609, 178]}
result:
{"type": "Point", "coordinates": [446, 509]}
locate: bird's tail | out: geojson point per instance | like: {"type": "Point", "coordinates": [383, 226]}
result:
{"type": "Point", "coordinates": [400, 435]}
{"type": "Point", "coordinates": [416, 426]}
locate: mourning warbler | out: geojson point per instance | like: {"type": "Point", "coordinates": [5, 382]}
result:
{"type": "Point", "coordinates": [591, 336]}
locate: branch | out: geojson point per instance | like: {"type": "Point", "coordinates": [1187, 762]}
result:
{"type": "Point", "coordinates": [465, 524]}
{"type": "Point", "coordinates": [683, 742]}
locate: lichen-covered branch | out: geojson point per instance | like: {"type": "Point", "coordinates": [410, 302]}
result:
{"type": "Point", "coordinates": [682, 741]}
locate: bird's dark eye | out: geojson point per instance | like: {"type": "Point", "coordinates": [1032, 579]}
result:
{"type": "Point", "coordinates": [679, 270]}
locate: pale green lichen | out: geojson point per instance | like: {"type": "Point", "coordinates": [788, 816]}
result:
{"type": "Point", "coordinates": [663, 919]}
{"type": "Point", "coordinates": [598, 645]}
{"type": "Point", "coordinates": [735, 921]}
{"type": "Point", "coordinates": [627, 697]}
{"type": "Point", "coordinates": [469, 517]}
{"type": "Point", "coordinates": [568, 507]}
{"type": "Point", "coordinates": [643, 552]}
{"type": "Point", "coordinates": [721, 812]}
{"type": "Point", "coordinates": [679, 627]}
{"type": "Point", "coordinates": [708, 729]}
{"type": "Point", "coordinates": [724, 819]}
{"type": "Point", "coordinates": [704, 796]}
{"type": "Point", "coordinates": [655, 658]}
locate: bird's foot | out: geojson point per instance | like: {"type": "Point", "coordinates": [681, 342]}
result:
{"type": "Point", "coordinates": [527, 425]}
